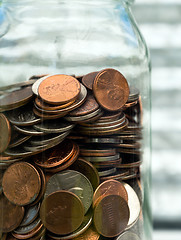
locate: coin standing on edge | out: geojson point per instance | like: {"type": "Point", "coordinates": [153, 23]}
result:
{"type": "Point", "coordinates": [5, 132]}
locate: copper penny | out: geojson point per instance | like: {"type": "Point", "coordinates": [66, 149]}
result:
{"type": "Point", "coordinates": [110, 187]}
{"type": "Point", "coordinates": [97, 152]}
{"type": "Point", "coordinates": [89, 106]}
{"type": "Point", "coordinates": [59, 89]}
{"type": "Point", "coordinates": [5, 130]}
{"type": "Point", "coordinates": [56, 156]}
{"type": "Point", "coordinates": [111, 216]}
{"type": "Point", "coordinates": [21, 183]}
{"type": "Point", "coordinates": [62, 212]}
{"type": "Point", "coordinates": [111, 89]}
{"type": "Point", "coordinates": [11, 215]}
{"type": "Point", "coordinates": [88, 79]}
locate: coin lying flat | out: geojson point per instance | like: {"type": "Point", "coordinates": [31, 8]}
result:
{"type": "Point", "coordinates": [72, 181]}
{"type": "Point", "coordinates": [111, 89]}
{"type": "Point", "coordinates": [5, 132]}
{"type": "Point", "coordinates": [59, 89]}
{"type": "Point", "coordinates": [128, 236]}
{"type": "Point", "coordinates": [11, 215]}
{"type": "Point", "coordinates": [62, 212]}
{"type": "Point", "coordinates": [111, 215]}
{"type": "Point", "coordinates": [21, 183]}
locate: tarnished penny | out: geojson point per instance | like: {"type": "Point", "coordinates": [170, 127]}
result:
{"type": "Point", "coordinates": [5, 132]}
{"type": "Point", "coordinates": [62, 212]}
{"type": "Point", "coordinates": [11, 215]}
{"type": "Point", "coordinates": [110, 187]}
{"type": "Point", "coordinates": [59, 89]}
{"type": "Point", "coordinates": [88, 79]}
{"type": "Point", "coordinates": [111, 89]}
{"type": "Point", "coordinates": [88, 170]}
{"type": "Point", "coordinates": [111, 216]}
{"type": "Point", "coordinates": [21, 183]}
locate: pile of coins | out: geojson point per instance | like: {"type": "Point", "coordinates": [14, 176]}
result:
{"type": "Point", "coordinates": [70, 156]}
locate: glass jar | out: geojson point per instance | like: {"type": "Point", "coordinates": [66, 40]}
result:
{"type": "Point", "coordinates": [66, 172]}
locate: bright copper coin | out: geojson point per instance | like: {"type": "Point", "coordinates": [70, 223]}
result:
{"type": "Point", "coordinates": [110, 187]}
{"type": "Point", "coordinates": [55, 156]}
{"type": "Point", "coordinates": [86, 168]}
{"type": "Point", "coordinates": [111, 216]}
{"type": "Point", "coordinates": [21, 183]}
{"type": "Point", "coordinates": [111, 89]}
{"type": "Point", "coordinates": [89, 106]}
{"type": "Point", "coordinates": [59, 89]}
{"type": "Point", "coordinates": [88, 79]}
{"type": "Point", "coordinates": [62, 212]}
{"type": "Point", "coordinates": [11, 215]}
{"type": "Point", "coordinates": [5, 132]}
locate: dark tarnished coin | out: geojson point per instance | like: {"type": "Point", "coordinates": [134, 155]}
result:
{"type": "Point", "coordinates": [38, 112]}
{"type": "Point", "coordinates": [89, 106]}
{"type": "Point", "coordinates": [54, 126]}
{"type": "Point", "coordinates": [31, 212]}
{"type": "Point", "coordinates": [88, 79]}
{"type": "Point", "coordinates": [74, 182]}
{"type": "Point", "coordinates": [23, 116]}
{"type": "Point", "coordinates": [88, 170]}
{"type": "Point", "coordinates": [84, 117]}
{"type": "Point", "coordinates": [17, 139]}
{"type": "Point", "coordinates": [28, 130]}
{"type": "Point", "coordinates": [11, 215]}
{"type": "Point", "coordinates": [55, 156]}
{"type": "Point", "coordinates": [16, 99]}
{"type": "Point", "coordinates": [83, 227]}
{"type": "Point", "coordinates": [110, 187]}
{"type": "Point", "coordinates": [111, 215]}
{"type": "Point", "coordinates": [5, 132]}
{"type": "Point", "coordinates": [111, 89]}
{"type": "Point", "coordinates": [21, 183]}
{"type": "Point", "coordinates": [62, 212]}
{"type": "Point", "coordinates": [133, 204]}
{"type": "Point", "coordinates": [59, 89]}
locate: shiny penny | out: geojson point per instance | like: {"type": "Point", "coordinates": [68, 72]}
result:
{"type": "Point", "coordinates": [21, 183]}
{"type": "Point", "coordinates": [111, 89]}
{"type": "Point", "coordinates": [59, 89]}
{"type": "Point", "coordinates": [111, 215]}
{"type": "Point", "coordinates": [11, 215]}
{"type": "Point", "coordinates": [5, 130]}
{"type": "Point", "coordinates": [62, 212]}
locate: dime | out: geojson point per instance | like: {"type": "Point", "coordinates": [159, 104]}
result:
{"type": "Point", "coordinates": [28, 228]}
{"type": "Point", "coordinates": [23, 116]}
{"type": "Point", "coordinates": [111, 89]}
{"type": "Point", "coordinates": [133, 204]}
{"type": "Point", "coordinates": [54, 126]}
{"type": "Point", "coordinates": [30, 130]}
{"type": "Point", "coordinates": [110, 187]}
{"type": "Point", "coordinates": [21, 183]}
{"type": "Point", "coordinates": [31, 213]}
{"type": "Point", "coordinates": [59, 89]}
{"type": "Point", "coordinates": [5, 130]}
{"type": "Point", "coordinates": [88, 79]}
{"type": "Point", "coordinates": [16, 99]}
{"type": "Point", "coordinates": [128, 236]}
{"type": "Point", "coordinates": [111, 215]}
{"type": "Point", "coordinates": [11, 215]}
{"type": "Point", "coordinates": [36, 84]}
{"type": "Point", "coordinates": [74, 182]}
{"type": "Point", "coordinates": [107, 172]}
{"type": "Point", "coordinates": [88, 170]}
{"type": "Point", "coordinates": [103, 159]}
{"type": "Point", "coordinates": [62, 212]}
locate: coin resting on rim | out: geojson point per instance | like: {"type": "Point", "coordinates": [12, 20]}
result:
{"type": "Point", "coordinates": [111, 89]}
{"type": "Point", "coordinates": [59, 89]}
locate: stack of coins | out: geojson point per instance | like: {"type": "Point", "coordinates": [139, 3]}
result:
{"type": "Point", "coordinates": [61, 136]}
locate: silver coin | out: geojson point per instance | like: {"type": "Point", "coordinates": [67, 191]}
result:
{"type": "Point", "coordinates": [46, 139]}
{"type": "Point", "coordinates": [128, 236]}
{"type": "Point", "coordinates": [37, 84]}
{"type": "Point", "coordinates": [133, 94]}
{"type": "Point", "coordinates": [28, 228]}
{"type": "Point", "coordinates": [83, 227]}
{"type": "Point", "coordinates": [74, 182]}
{"type": "Point", "coordinates": [28, 131]}
{"type": "Point", "coordinates": [23, 116]}
{"type": "Point", "coordinates": [54, 126]}
{"type": "Point", "coordinates": [17, 139]}
{"type": "Point", "coordinates": [102, 140]}
{"type": "Point", "coordinates": [103, 159]}
{"type": "Point", "coordinates": [30, 215]}
{"type": "Point", "coordinates": [104, 173]}
{"type": "Point", "coordinates": [17, 85]}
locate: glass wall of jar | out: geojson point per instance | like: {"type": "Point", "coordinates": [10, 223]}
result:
{"type": "Point", "coordinates": [74, 121]}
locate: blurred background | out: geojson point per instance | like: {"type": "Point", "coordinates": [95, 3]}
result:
{"type": "Point", "coordinates": [160, 24]}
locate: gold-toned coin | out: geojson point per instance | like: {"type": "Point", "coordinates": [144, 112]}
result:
{"type": "Point", "coordinates": [5, 132]}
